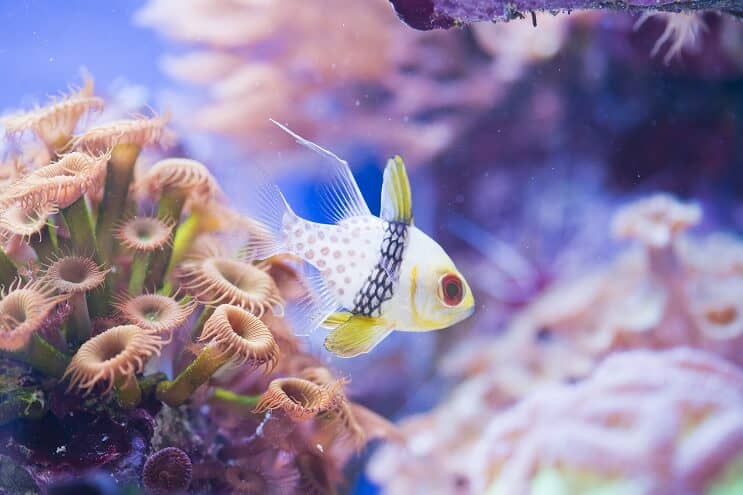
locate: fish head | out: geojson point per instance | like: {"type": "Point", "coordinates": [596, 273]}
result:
{"type": "Point", "coordinates": [440, 294]}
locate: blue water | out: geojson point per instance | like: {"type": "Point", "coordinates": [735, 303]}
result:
{"type": "Point", "coordinates": [44, 44]}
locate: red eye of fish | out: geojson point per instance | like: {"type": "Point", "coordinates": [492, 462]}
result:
{"type": "Point", "coordinates": [452, 289]}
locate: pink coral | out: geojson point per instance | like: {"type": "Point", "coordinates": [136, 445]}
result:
{"type": "Point", "coordinates": [652, 420]}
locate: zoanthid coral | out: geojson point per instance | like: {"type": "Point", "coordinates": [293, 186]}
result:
{"type": "Point", "coordinates": [300, 399]}
{"type": "Point", "coordinates": [155, 312]}
{"type": "Point", "coordinates": [233, 335]}
{"type": "Point", "coordinates": [55, 123]}
{"type": "Point", "coordinates": [144, 236]}
{"type": "Point", "coordinates": [129, 330]}
{"type": "Point", "coordinates": [213, 278]}
{"type": "Point", "coordinates": [23, 311]}
{"type": "Point", "coordinates": [241, 335]}
{"type": "Point", "coordinates": [113, 358]}
{"type": "Point", "coordinates": [175, 181]}
{"type": "Point", "coordinates": [60, 183]}
{"type": "Point", "coordinates": [75, 276]}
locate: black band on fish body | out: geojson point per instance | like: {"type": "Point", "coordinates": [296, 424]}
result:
{"type": "Point", "coordinates": [380, 285]}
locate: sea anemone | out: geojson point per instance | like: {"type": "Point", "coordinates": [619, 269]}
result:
{"type": "Point", "coordinates": [133, 134]}
{"type": "Point", "coordinates": [215, 279]}
{"type": "Point", "coordinates": [25, 221]}
{"type": "Point", "coordinates": [23, 309]}
{"type": "Point", "coordinates": [241, 335]}
{"type": "Point", "coordinates": [144, 234]}
{"type": "Point", "coordinates": [155, 312]}
{"type": "Point", "coordinates": [55, 123]}
{"type": "Point", "coordinates": [60, 183]}
{"type": "Point", "coordinates": [264, 474]}
{"type": "Point", "coordinates": [113, 358]}
{"type": "Point", "coordinates": [124, 140]}
{"type": "Point", "coordinates": [351, 425]}
{"type": "Point", "coordinates": [175, 181]}
{"type": "Point", "coordinates": [167, 472]}
{"type": "Point", "coordinates": [300, 399]}
{"type": "Point", "coordinates": [74, 276]}
{"type": "Point", "coordinates": [188, 178]}
{"type": "Point", "coordinates": [234, 336]}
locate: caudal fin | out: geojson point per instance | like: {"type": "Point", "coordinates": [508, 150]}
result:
{"type": "Point", "coordinates": [272, 212]}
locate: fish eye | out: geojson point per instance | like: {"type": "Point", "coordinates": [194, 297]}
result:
{"type": "Point", "coordinates": [452, 290]}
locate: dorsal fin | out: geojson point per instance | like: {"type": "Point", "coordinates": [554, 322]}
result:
{"type": "Point", "coordinates": [397, 204]}
{"type": "Point", "coordinates": [342, 196]}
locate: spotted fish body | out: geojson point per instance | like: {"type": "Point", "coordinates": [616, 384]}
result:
{"type": "Point", "coordinates": [345, 254]}
{"type": "Point", "coordinates": [367, 275]}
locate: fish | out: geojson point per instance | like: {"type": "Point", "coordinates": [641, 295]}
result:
{"type": "Point", "coordinates": [367, 275]}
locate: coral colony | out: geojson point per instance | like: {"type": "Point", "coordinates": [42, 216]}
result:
{"type": "Point", "coordinates": [134, 342]}
{"type": "Point", "coordinates": [625, 380]}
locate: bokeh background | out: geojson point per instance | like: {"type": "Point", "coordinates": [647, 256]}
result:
{"type": "Point", "coordinates": [522, 141]}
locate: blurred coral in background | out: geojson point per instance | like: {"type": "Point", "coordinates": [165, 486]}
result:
{"type": "Point", "coordinates": [358, 75]}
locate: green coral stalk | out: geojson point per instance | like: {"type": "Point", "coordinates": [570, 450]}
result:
{"type": "Point", "coordinates": [128, 393]}
{"type": "Point", "coordinates": [170, 207]}
{"type": "Point", "coordinates": [176, 392]}
{"type": "Point", "coordinates": [182, 242]}
{"type": "Point", "coordinates": [227, 396]}
{"type": "Point", "coordinates": [22, 403]}
{"type": "Point", "coordinates": [79, 222]}
{"type": "Point", "coordinates": [80, 327]}
{"type": "Point", "coordinates": [42, 356]}
{"type": "Point", "coordinates": [118, 179]}
{"type": "Point", "coordinates": [140, 268]}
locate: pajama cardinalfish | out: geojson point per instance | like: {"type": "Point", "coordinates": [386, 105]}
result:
{"type": "Point", "coordinates": [367, 275]}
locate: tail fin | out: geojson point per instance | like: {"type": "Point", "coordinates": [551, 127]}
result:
{"type": "Point", "coordinates": [272, 212]}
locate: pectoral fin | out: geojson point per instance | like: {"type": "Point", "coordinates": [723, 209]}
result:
{"type": "Point", "coordinates": [397, 203]}
{"type": "Point", "coordinates": [357, 335]}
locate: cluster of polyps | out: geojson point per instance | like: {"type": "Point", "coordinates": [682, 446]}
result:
{"type": "Point", "coordinates": [96, 294]}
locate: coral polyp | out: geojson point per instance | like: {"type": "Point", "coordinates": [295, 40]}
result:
{"type": "Point", "coordinates": [127, 335]}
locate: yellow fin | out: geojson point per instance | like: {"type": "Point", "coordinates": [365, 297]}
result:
{"type": "Point", "coordinates": [337, 319]}
{"type": "Point", "coordinates": [397, 203]}
{"type": "Point", "coordinates": [357, 335]}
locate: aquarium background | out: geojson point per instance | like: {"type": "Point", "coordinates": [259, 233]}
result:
{"type": "Point", "coordinates": [523, 143]}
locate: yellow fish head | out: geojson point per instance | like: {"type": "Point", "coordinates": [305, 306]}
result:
{"type": "Point", "coordinates": [440, 295]}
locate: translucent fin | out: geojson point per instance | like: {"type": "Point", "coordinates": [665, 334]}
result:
{"type": "Point", "coordinates": [271, 212]}
{"type": "Point", "coordinates": [314, 307]}
{"type": "Point", "coordinates": [397, 205]}
{"type": "Point", "coordinates": [358, 335]}
{"type": "Point", "coordinates": [342, 196]}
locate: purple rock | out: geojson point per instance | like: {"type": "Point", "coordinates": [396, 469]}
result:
{"type": "Point", "coordinates": [443, 14]}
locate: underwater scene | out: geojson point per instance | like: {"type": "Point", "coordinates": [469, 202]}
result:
{"type": "Point", "coordinates": [371, 247]}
